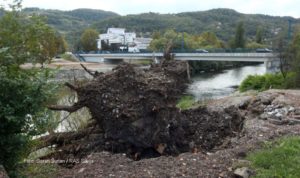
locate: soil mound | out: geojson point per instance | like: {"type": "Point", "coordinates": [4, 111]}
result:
{"type": "Point", "coordinates": [134, 112]}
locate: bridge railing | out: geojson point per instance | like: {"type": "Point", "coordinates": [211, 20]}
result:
{"type": "Point", "coordinates": [211, 50]}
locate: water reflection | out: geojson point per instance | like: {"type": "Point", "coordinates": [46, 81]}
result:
{"type": "Point", "coordinates": [213, 86]}
{"type": "Point", "coordinates": [73, 121]}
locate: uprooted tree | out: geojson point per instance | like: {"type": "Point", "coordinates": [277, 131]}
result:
{"type": "Point", "coordinates": [134, 111]}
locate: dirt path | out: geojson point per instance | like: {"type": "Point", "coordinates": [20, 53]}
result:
{"type": "Point", "coordinates": [64, 64]}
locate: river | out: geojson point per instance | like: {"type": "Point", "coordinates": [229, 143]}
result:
{"type": "Point", "coordinates": [217, 85]}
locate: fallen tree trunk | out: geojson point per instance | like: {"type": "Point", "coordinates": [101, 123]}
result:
{"type": "Point", "coordinates": [136, 113]}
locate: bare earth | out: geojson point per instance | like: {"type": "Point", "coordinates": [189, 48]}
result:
{"type": "Point", "coordinates": [269, 115]}
{"type": "Point", "coordinates": [64, 64]}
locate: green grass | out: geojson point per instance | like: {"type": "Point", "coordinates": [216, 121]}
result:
{"type": "Point", "coordinates": [278, 159]}
{"type": "Point", "coordinates": [38, 170]}
{"type": "Point", "coordinates": [186, 102]}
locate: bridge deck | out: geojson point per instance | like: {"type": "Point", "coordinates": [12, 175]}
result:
{"type": "Point", "coordinates": [246, 57]}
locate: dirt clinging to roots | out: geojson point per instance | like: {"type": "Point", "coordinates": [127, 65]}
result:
{"type": "Point", "coordinates": [134, 111]}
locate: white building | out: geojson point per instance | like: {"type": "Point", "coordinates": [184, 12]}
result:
{"type": "Point", "coordinates": [119, 36]}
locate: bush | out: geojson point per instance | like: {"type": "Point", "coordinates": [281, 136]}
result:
{"type": "Point", "coordinates": [23, 93]}
{"type": "Point", "coordinates": [263, 82]}
{"type": "Point", "coordinates": [69, 57]}
{"type": "Point", "coordinates": [22, 112]}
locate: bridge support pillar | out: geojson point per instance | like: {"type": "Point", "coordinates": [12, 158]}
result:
{"type": "Point", "coordinates": [272, 66]}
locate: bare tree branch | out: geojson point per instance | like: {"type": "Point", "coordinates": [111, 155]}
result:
{"type": "Point", "coordinates": [70, 109]}
{"type": "Point", "coordinates": [72, 87]}
{"type": "Point", "coordinates": [94, 74]}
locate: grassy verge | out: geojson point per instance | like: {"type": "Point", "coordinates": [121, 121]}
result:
{"type": "Point", "coordinates": [186, 102]}
{"type": "Point", "coordinates": [278, 159]}
{"type": "Point", "coordinates": [38, 170]}
{"type": "Point", "coordinates": [268, 81]}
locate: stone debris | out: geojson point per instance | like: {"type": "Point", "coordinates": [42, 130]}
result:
{"type": "Point", "coordinates": [243, 172]}
{"type": "Point", "coordinates": [272, 107]}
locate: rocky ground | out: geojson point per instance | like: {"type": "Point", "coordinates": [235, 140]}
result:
{"type": "Point", "coordinates": [269, 115]}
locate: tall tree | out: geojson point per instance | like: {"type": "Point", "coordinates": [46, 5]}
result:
{"type": "Point", "coordinates": [239, 40]}
{"type": "Point", "coordinates": [88, 40]}
{"type": "Point", "coordinates": [258, 36]}
{"type": "Point", "coordinates": [294, 54]}
{"type": "Point", "coordinates": [23, 93]}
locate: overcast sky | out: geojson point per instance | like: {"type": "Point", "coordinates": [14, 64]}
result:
{"type": "Point", "coordinates": [124, 7]}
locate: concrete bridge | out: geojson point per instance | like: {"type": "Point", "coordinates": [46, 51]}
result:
{"type": "Point", "coordinates": [270, 59]}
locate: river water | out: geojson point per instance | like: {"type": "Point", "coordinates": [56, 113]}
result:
{"type": "Point", "coordinates": [217, 85]}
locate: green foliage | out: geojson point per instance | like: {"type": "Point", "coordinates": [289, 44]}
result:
{"type": "Point", "coordinates": [293, 54]}
{"type": "Point", "coordinates": [28, 39]}
{"type": "Point", "coordinates": [222, 22]}
{"type": "Point", "coordinates": [38, 170]}
{"type": "Point", "coordinates": [262, 82]}
{"type": "Point", "coordinates": [278, 159]}
{"type": "Point", "coordinates": [259, 36]}
{"type": "Point", "coordinates": [70, 23]}
{"type": "Point", "coordinates": [88, 40]}
{"type": "Point", "coordinates": [43, 42]}
{"type": "Point", "coordinates": [69, 57]}
{"type": "Point", "coordinates": [190, 42]}
{"type": "Point", "coordinates": [23, 93]}
{"type": "Point", "coordinates": [22, 111]}
{"type": "Point", "coordinates": [255, 45]}
{"type": "Point", "coordinates": [186, 102]}
{"type": "Point", "coordinates": [239, 39]}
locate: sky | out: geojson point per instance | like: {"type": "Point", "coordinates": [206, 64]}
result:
{"type": "Point", "coordinates": [124, 7]}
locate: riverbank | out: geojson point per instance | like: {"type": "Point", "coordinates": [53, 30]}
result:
{"type": "Point", "coordinates": [268, 115]}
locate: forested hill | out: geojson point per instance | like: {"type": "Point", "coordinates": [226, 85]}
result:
{"type": "Point", "coordinates": [221, 21]}
{"type": "Point", "coordinates": [71, 23]}
{"type": "Point", "coordinates": [66, 21]}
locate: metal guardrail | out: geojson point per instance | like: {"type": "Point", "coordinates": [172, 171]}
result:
{"type": "Point", "coordinates": [246, 57]}
{"type": "Point", "coordinates": [212, 50]}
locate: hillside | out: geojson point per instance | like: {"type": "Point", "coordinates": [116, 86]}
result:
{"type": "Point", "coordinates": [220, 21]}
{"type": "Point", "coordinates": [71, 23]}
{"type": "Point", "coordinates": [65, 21]}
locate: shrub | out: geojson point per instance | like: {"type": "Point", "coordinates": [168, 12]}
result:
{"type": "Point", "coordinates": [262, 82]}
{"type": "Point", "coordinates": [22, 112]}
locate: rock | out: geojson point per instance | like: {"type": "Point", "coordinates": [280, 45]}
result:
{"type": "Point", "coordinates": [293, 121]}
{"type": "Point", "coordinates": [278, 115]}
{"type": "Point", "coordinates": [278, 122]}
{"type": "Point", "coordinates": [297, 112]}
{"type": "Point", "coordinates": [243, 172]}
{"type": "Point", "coordinates": [244, 104]}
{"type": "Point", "coordinates": [269, 108]}
{"type": "Point", "coordinates": [240, 163]}
{"type": "Point", "coordinates": [291, 109]}
{"type": "Point", "coordinates": [264, 116]}
{"type": "Point", "coordinates": [3, 173]}
{"type": "Point", "coordinates": [266, 100]}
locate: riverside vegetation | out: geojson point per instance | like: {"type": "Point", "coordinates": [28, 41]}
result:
{"type": "Point", "coordinates": [26, 93]}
